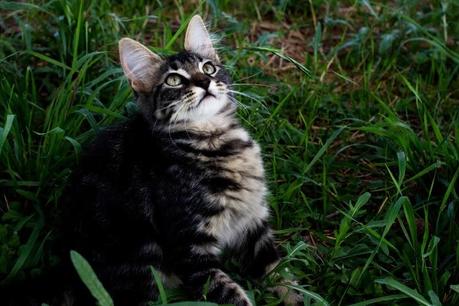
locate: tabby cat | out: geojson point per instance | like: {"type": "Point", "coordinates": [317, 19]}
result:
{"type": "Point", "coordinates": [174, 186]}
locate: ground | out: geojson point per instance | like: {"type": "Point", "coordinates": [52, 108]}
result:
{"type": "Point", "coordinates": [355, 104]}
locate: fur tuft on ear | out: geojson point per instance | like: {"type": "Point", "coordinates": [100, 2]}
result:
{"type": "Point", "coordinates": [139, 64]}
{"type": "Point", "coordinates": [197, 39]}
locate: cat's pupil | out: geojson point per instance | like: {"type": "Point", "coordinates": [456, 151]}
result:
{"type": "Point", "coordinates": [173, 80]}
{"type": "Point", "coordinates": [208, 68]}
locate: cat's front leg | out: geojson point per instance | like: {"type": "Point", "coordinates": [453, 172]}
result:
{"type": "Point", "coordinates": [256, 252]}
{"type": "Point", "coordinates": [216, 286]}
{"type": "Point", "coordinates": [203, 278]}
{"type": "Point", "coordinates": [258, 256]}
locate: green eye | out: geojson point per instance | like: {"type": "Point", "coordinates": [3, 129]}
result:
{"type": "Point", "coordinates": [174, 80]}
{"type": "Point", "coordinates": [208, 68]}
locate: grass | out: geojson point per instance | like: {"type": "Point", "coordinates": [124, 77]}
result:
{"type": "Point", "coordinates": [355, 103]}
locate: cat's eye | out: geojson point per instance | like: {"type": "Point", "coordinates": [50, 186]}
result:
{"type": "Point", "coordinates": [208, 68]}
{"type": "Point", "coordinates": [174, 80]}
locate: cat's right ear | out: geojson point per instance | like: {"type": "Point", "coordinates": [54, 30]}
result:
{"type": "Point", "coordinates": [197, 39]}
{"type": "Point", "coordinates": [139, 64]}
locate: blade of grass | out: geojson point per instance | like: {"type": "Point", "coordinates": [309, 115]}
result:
{"type": "Point", "coordinates": [323, 149]}
{"type": "Point", "coordinates": [379, 300]}
{"type": "Point", "coordinates": [159, 284]}
{"type": "Point", "coordinates": [6, 130]}
{"type": "Point", "coordinates": [404, 289]}
{"type": "Point", "coordinates": [89, 278]}
{"type": "Point", "coordinates": [279, 53]}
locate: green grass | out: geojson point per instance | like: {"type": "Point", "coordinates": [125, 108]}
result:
{"type": "Point", "coordinates": [355, 103]}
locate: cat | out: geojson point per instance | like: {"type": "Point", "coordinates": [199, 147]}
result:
{"type": "Point", "coordinates": [172, 187]}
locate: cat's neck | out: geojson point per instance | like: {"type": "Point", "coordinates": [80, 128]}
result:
{"type": "Point", "coordinates": [218, 124]}
{"type": "Point", "coordinates": [209, 135]}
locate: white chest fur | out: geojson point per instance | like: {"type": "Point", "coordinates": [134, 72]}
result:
{"type": "Point", "coordinates": [245, 207]}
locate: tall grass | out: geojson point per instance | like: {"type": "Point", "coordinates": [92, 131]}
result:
{"type": "Point", "coordinates": [355, 103]}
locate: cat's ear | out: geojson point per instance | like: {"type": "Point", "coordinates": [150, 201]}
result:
{"type": "Point", "coordinates": [197, 39]}
{"type": "Point", "coordinates": [140, 65]}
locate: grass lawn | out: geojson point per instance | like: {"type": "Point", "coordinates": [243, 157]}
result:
{"type": "Point", "coordinates": [355, 103]}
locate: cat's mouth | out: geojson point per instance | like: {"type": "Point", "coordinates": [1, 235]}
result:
{"type": "Point", "coordinates": [206, 95]}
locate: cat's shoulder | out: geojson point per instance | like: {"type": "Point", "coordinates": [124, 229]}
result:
{"type": "Point", "coordinates": [125, 132]}
{"type": "Point", "coordinates": [114, 142]}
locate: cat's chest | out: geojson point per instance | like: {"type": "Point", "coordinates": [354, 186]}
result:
{"type": "Point", "coordinates": [242, 199]}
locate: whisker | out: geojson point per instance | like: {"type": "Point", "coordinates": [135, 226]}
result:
{"type": "Point", "coordinates": [251, 84]}
{"type": "Point", "coordinates": [170, 105]}
{"type": "Point", "coordinates": [250, 76]}
{"type": "Point", "coordinates": [238, 103]}
{"type": "Point", "coordinates": [261, 102]}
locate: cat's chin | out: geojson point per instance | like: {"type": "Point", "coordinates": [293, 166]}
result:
{"type": "Point", "coordinates": [206, 109]}
{"type": "Point", "coordinates": [207, 98]}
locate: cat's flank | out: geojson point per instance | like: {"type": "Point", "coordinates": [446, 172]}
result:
{"type": "Point", "coordinates": [175, 186]}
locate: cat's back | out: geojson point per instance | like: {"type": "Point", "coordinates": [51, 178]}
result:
{"type": "Point", "coordinates": [110, 171]}
{"type": "Point", "coordinates": [117, 144]}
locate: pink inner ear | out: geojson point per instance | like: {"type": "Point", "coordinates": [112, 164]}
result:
{"type": "Point", "coordinates": [197, 39]}
{"type": "Point", "coordinates": [139, 64]}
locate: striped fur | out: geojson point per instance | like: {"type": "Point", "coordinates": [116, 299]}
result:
{"type": "Point", "coordinates": [173, 187]}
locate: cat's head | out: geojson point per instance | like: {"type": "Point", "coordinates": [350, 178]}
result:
{"type": "Point", "coordinates": [189, 86]}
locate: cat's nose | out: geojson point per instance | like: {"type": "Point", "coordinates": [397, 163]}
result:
{"type": "Point", "coordinates": [201, 81]}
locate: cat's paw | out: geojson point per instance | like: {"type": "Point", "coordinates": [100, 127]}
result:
{"type": "Point", "coordinates": [225, 291]}
{"type": "Point", "coordinates": [239, 297]}
{"type": "Point", "coordinates": [243, 302]}
{"type": "Point", "coordinates": [289, 296]}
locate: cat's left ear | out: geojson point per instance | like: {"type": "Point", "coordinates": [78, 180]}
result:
{"type": "Point", "coordinates": [140, 65]}
{"type": "Point", "coordinates": [197, 39]}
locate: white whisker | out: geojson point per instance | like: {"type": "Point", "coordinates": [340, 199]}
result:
{"type": "Point", "coordinates": [238, 103]}
{"type": "Point", "coordinates": [259, 101]}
